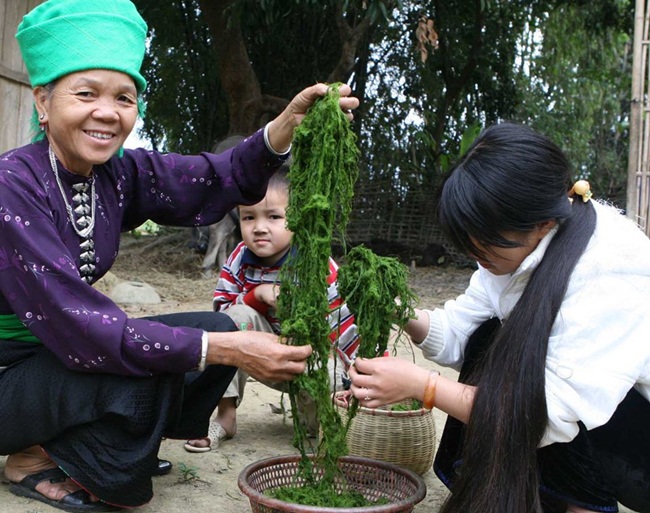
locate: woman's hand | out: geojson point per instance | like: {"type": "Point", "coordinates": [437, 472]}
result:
{"type": "Point", "coordinates": [280, 130]}
{"type": "Point", "coordinates": [259, 354]}
{"type": "Point", "coordinates": [380, 381]}
{"type": "Point", "coordinates": [386, 380]}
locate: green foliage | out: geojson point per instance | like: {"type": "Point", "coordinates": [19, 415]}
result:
{"type": "Point", "coordinates": [146, 228]}
{"type": "Point", "coordinates": [186, 108]}
{"type": "Point", "coordinates": [188, 474]}
{"type": "Point", "coordinates": [562, 66]}
{"type": "Point", "coordinates": [409, 406]}
{"type": "Point", "coordinates": [468, 137]}
{"type": "Point", "coordinates": [578, 86]}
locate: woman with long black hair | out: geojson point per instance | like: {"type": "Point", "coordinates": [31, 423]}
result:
{"type": "Point", "coordinates": [551, 337]}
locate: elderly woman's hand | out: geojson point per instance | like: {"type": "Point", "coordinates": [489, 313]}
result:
{"type": "Point", "coordinates": [280, 130]}
{"type": "Point", "coordinates": [259, 354]}
{"type": "Point", "coordinates": [305, 98]}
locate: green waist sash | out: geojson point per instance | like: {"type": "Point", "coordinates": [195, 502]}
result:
{"type": "Point", "coordinates": [12, 328]}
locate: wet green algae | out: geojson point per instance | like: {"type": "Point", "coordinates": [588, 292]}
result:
{"type": "Point", "coordinates": [322, 176]}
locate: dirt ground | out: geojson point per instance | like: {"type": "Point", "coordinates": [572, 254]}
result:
{"type": "Point", "coordinates": [209, 483]}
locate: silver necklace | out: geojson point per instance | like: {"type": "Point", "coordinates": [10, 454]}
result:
{"type": "Point", "coordinates": [84, 225]}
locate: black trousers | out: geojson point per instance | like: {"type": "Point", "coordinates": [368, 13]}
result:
{"type": "Point", "coordinates": [596, 470]}
{"type": "Point", "coordinates": [105, 430]}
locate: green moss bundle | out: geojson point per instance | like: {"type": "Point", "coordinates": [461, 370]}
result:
{"type": "Point", "coordinates": [321, 187]}
{"type": "Point", "coordinates": [323, 495]}
{"type": "Point", "coordinates": [377, 293]}
{"type": "Point", "coordinates": [322, 176]}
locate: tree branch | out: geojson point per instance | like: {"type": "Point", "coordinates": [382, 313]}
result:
{"type": "Point", "coordinates": [239, 81]}
{"type": "Point", "coordinates": [350, 39]}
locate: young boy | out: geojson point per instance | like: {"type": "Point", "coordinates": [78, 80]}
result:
{"type": "Point", "coordinates": [247, 291]}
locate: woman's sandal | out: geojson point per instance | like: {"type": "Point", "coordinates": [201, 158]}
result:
{"type": "Point", "coordinates": [75, 501]}
{"type": "Point", "coordinates": [216, 433]}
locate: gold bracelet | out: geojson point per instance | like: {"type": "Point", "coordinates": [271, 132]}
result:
{"type": "Point", "coordinates": [429, 399]}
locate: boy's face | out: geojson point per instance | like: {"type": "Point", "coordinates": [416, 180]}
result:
{"type": "Point", "coordinates": [264, 227]}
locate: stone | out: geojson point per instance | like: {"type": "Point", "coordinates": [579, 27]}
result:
{"type": "Point", "coordinates": [134, 292]}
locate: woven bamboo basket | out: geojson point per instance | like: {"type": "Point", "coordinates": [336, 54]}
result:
{"type": "Point", "coordinates": [400, 488]}
{"type": "Point", "coordinates": [403, 437]}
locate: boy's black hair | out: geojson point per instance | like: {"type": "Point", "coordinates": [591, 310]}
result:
{"type": "Point", "coordinates": [280, 179]}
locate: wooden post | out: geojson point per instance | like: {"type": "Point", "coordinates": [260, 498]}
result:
{"type": "Point", "coordinates": [637, 176]}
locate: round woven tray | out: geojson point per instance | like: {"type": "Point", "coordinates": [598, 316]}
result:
{"type": "Point", "coordinates": [373, 479]}
{"type": "Point", "coordinates": [404, 437]}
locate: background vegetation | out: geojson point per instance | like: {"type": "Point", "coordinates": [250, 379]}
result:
{"type": "Point", "coordinates": [430, 74]}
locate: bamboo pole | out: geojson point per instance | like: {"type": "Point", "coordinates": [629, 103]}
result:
{"type": "Point", "coordinates": [638, 179]}
{"type": "Point", "coordinates": [643, 173]}
{"type": "Point", "coordinates": [636, 105]}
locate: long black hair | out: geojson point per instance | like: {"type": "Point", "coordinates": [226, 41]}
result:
{"type": "Point", "coordinates": [511, 180]}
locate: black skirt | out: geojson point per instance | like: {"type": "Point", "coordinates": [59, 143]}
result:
{"type": "Point", "coordinates": [105, 430]}
{"type": "Point", "coordinates": [596, 470]}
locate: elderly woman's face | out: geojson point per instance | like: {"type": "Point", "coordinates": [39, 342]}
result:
{"type": "Point", "coordinates": [89, 115]}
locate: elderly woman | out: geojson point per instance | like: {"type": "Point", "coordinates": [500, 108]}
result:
{"type": "Point", "coordinates": [88, 392]}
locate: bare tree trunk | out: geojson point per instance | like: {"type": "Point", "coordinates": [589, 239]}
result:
{"type": "Point", "coordinates": [351, 37]}
{"type": "Point", "coordinates": [456, 82]}
{"type": "Point", "coordinates": [249, 108]}
{"type": "Point", "coordinates": [246, 104]}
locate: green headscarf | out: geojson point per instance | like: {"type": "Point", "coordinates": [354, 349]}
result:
{"type": "Point", "coordinates": [60, 37]}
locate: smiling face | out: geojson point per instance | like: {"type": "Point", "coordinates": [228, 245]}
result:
{"type": "Point", "coordinates": [89, 115]}
{"type": "Point", "coordinates": [264, 226]}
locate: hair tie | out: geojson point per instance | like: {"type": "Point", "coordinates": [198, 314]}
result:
{"type": "Point", "coordinates": [581, 188]}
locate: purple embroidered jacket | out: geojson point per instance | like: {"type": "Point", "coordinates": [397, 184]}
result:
{"type": "Point", "coordinates": [39, 250]}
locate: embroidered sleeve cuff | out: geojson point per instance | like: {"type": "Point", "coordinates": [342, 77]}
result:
{"type": "Point", "coordinates": [204, 351]}
{"type": "Point", "coordinates": [268, 143]}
